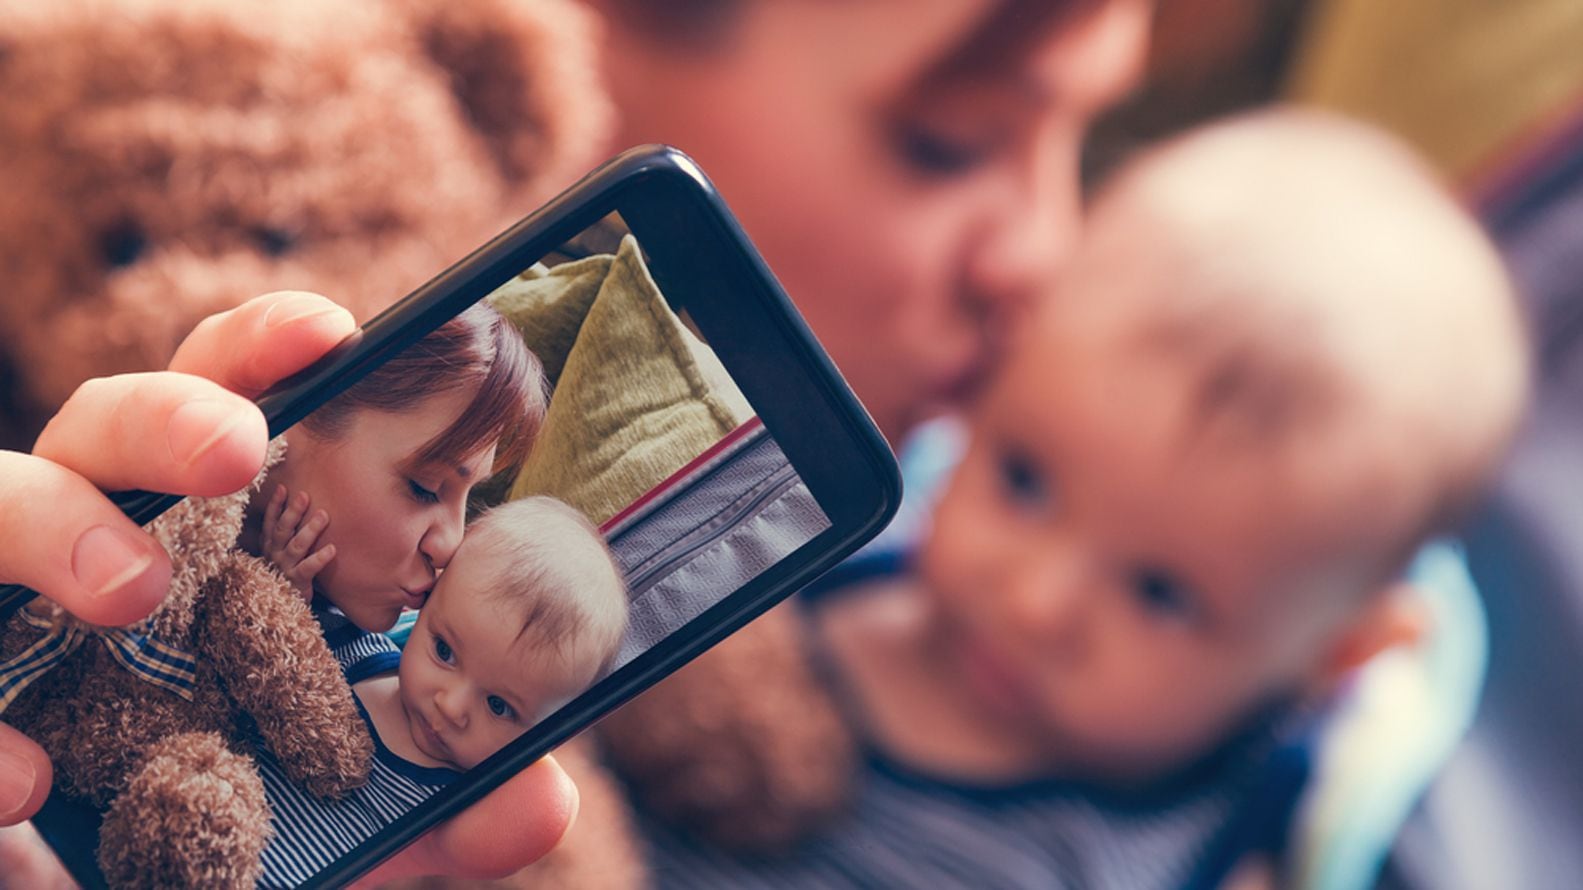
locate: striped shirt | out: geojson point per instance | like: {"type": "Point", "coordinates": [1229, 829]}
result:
{"type": "Point", "coordinates": [903, 829]}
{"type": "Point", "coordinates": [311, 833]}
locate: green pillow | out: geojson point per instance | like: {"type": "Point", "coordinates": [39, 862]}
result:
{"type": "Point", "coordinates": [637, 395]}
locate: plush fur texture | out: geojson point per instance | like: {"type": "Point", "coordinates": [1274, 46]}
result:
{"type": "Point", "coordinates": [186, 806]}
{"type": "Point", "coordinates": [161, 160]}
{"type": "Point", "coordinates": [745, 747]}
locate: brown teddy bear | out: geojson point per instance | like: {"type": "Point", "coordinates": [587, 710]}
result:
{"type": "Point", "coordinates": [161, 160]}
{"type": "Point", "coordinates": [154, 721]}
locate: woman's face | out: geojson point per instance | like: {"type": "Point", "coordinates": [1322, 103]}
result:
{"type": "Point", "coordinates": [394, 524]}
{"type": "Point", "coordinates": [908, 221]}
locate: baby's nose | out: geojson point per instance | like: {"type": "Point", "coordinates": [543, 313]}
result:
{"type": "Point", "coordinates": [450, 707]}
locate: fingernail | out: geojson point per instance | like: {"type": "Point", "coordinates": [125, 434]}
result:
{"type": "Point", "coordinates": [297, 308]}
{"type": "Point", "coordinates": [106, 559]}
{"type": "Point", "coordinates": [198, 426]}
{"type": "Point", "coordinates": [17, 776]}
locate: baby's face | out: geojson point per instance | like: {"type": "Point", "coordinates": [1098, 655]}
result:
{"type": "Point", "coordinates": [470, 682]}
{"type": "Point", "coordinates": [1111, 596]}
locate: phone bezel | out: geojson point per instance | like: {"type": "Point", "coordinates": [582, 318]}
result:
{"type": "Point", "coordinates": [705, 264]}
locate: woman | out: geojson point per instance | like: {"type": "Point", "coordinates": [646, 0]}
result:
{"type": "Point", "coordinates": [909, 169]}
{"type": "Point", "coordinates": [393, 460]}
{"type": "Point", "coordinates": [86, 555]}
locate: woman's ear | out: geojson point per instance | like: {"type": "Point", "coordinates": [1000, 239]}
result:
{"type": "Point", "coordinates": [1393, 617]}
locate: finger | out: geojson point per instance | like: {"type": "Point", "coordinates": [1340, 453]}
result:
{"type": "Point", "coordinates": [81, 551]}
{"type": "Point", "coordinates": [160, 431]}
{"type": "Point", "coordinates": [307, 535]}
{"type": "Point", "coordinates": [309, 568]}
{"type": "Point", "coordinates": [27, 863]}
{"type": "Point", "coordinates": [24, 776]}
{"type": "Point", "coordinates": [254, 346]}
{"type": "Point", "coordinates": [290, 520]}
{"type": "Point", "coordinates": [277, 502]}
{"type": "Point", "coordinates": [512, 827]}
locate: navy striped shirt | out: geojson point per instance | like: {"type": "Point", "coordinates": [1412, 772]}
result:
{"type": "Point", "coordinates": [903, 829]}
{"type": "Point", "coordinates": [311, 833]}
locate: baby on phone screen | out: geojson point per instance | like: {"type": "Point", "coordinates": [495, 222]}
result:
{"type": "Point", "coordinates": [527, 614]}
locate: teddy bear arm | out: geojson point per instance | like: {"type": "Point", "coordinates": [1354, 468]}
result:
{"type": "Point", "coordinates": [271, 654]}
{"type": "Point", "coordinates": [745, 747]}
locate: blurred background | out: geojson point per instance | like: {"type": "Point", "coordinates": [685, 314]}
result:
{"type": "Point", "coordinates": [125, 216]}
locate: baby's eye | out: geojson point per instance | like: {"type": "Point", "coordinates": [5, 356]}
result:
{"type": "Point", "coordinates": [1021, 481]}
{"type": "Point", "coordinates": [500, 708]}
{"type": "Point", "coordinates": [1161, 594]}
{"type": "Point", "coordinates": [422, 494]}
{"type": "Point", "coordinates": [443, 651]}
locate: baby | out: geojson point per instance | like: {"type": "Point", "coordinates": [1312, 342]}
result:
{"type": "Point", "coordinates": [1283, 358]}
{"type": "Point", "coordinates": [528, 613]}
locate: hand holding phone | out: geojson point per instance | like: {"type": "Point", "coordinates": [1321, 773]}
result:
{"type": "Point", "coordinates": [53, 497]}
{"type": "Point", "coordinates": [701, 445]}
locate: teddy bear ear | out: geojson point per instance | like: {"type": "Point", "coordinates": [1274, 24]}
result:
{"type": "Point", "coordinates": [525, 74]}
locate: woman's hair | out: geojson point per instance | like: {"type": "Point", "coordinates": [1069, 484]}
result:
{"type": "Point", "coordinates": [1008, 30]}
{"type": "Point", "coordinates": [478, 350]}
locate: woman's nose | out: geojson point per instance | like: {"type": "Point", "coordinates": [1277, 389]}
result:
{"type": "Point", "coordinates": [444, 536]}
{"type": "Point", "coordinates": [1031, 230]}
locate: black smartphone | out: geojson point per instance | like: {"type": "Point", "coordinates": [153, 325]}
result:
{"type": "Point", "coordinates": [691, 422]}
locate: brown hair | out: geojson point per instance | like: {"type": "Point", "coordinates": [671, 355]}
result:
{"type": "Point", "coordinates": [1007, 32]}
{"type": "Point", "coordinates": [476, 349]}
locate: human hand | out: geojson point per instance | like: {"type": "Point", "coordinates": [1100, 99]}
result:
{"type": "Point", "coordinates": [192, 430]}
{"type": "Point", "coordinates": [288, 541]}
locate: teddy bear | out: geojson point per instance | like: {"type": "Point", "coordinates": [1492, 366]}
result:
{"type": "Point", "coordinates": [155, 722]}
{"type": "Point", "coordinates": [161, 160]}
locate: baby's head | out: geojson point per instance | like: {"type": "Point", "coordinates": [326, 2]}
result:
{"type": "Point", "coordinates": [1282, 359]}
{"type": "Point", "coordinates": [527, 614]}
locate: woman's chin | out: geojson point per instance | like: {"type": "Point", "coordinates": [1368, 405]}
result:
{"type": "Point", "coordinates": [375, 619]}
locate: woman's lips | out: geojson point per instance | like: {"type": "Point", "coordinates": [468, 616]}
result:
{"type": "Point", "coordinates": [416, 598]}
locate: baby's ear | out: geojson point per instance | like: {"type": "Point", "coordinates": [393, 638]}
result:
{"type": "Point", "coordinates": [1393, 617]}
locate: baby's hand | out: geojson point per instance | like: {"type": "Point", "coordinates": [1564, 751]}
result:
{"type": "Point", "coordinates": [289, 542]}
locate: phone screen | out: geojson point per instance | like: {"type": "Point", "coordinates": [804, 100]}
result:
{"type": "Point", "coordinates": [647, 450]}
{"type": "Point", "coordinates": [556, 491]}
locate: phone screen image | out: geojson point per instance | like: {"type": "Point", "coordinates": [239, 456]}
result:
{"type": "Point", "coordinates": [647, 450]}
{"type": "Point", "coordinates": [527, 494]}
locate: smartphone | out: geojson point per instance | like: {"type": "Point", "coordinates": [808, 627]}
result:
{"type": "Point", "coordinates": [692, 421]}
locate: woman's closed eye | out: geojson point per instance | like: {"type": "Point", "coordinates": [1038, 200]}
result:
{"type": "Point", "coordinates": [501, 708]}
{"type": "Point", "coordinates": [932, 152]}
{"type": "Point", "coordinates": [421, 494]}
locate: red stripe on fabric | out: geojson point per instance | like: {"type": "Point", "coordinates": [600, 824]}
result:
{"type": "Point", "coordinates": [752, 425]}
